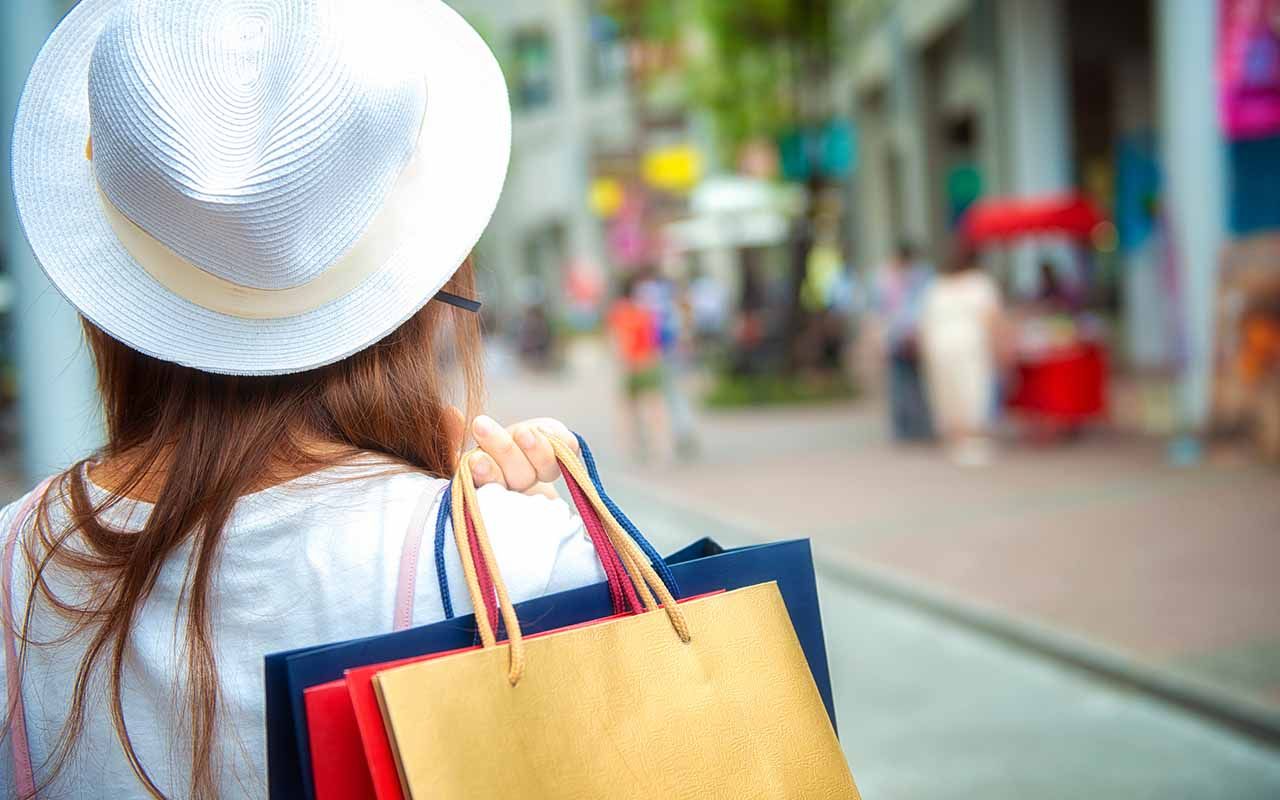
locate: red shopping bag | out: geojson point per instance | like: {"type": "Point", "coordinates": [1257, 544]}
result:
{"type": "Point", "coordinates": [338, 768]}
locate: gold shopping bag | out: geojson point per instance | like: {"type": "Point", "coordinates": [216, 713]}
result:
{"type": "Point", "coordinates": [711, 699]}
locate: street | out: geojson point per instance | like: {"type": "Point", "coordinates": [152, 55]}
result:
{"type": "Point", "coordinates": [932, 708]}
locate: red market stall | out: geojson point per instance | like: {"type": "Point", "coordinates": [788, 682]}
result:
{"type": "Point", "coordinates": [1006, 220]}
{"type": "Point", "coordinates": [1066, 385]}
{"type": "Point", "coordinates": [1061, 369]}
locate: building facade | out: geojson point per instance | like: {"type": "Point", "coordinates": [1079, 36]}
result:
{"type": "Point", "coordinates": [566, 70]}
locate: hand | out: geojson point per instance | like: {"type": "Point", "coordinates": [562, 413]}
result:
{"type": "Point", "coordinates": [519, 457]}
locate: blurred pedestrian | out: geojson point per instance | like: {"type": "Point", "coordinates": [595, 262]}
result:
{"type": "Point", "coordinates": [1054, 295]}
{"type": "Point", "coordinates": [269, 322]}
{"type": "Point", "coordinates": [959, 323]}
{"type": "Point", "coordinates": [899, 289]}
{"type": "Point", "coordinates": [635, 332]}
{"type": "Point", "coordinates": [709, 304]}
{"type": "Point", "coordinates": [536, 338]}
{"type": "Point", "coordinates": [661, 296]}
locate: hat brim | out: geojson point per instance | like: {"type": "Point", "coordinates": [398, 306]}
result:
{"type": "Point", "coordinates": [465, 141]}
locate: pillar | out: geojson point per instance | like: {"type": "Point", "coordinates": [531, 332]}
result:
{"type": "Point", "coordinates": [1193, 157]}
{"type": "Point", "coordinates": [57, 397]}
{"type": "Point", "coordinates": [1032, 36]}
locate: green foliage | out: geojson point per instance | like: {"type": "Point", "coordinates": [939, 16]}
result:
{"type": "Point", "coordinates": [749, 391]}
{"type": "Point", "coordinates": [648, 19]}
{"type": "Point", "coordinates": [759, 67]}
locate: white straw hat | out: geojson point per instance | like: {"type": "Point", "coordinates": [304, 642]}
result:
{"type": "Point", "coordinates": [258, 187]}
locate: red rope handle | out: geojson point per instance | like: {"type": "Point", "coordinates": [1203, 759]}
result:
{"type": "Point", "coordinates": [483, 576]}
{"type": "Point", "coordinates": [621, 589]}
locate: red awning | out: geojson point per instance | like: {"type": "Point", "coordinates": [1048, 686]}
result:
{"type": "Point", "coordinates": [1004, 219]}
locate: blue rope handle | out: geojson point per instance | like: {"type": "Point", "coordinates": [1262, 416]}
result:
{"type": "Point", "coordinates": [446, 509]}
{"type": "Point", "coordinates": [660, 566]}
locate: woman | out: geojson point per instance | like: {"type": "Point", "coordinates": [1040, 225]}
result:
{"type": "Point", "coordinates": [959, 323]}
{"type": "Point", "coordinates": [252, 206]}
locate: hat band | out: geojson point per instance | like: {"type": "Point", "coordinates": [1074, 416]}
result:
{"type": "Point", "coordinates": [379, 243]}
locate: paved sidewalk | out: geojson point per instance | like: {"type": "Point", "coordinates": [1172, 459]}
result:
{"type": "Point", "coordinates": [1174, 568]}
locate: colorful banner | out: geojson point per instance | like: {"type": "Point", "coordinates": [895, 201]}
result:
{"type": "Point", "coordinates": [1249, 68]}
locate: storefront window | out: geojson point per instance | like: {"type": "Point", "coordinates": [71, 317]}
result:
{"type": "Point", "coordinates": [608, 57]}
{"type": "Point", "coordinates": [533, 76]}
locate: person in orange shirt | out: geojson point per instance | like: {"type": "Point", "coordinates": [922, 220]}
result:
{"type": "Point", "coordinates": [635, 334]}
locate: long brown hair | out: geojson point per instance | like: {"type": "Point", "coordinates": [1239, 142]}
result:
{"type": "Point", "coordinates": [206, 440]}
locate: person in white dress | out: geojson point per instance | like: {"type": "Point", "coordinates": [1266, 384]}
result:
{"type": "Point", "coordinates": [959, 325]}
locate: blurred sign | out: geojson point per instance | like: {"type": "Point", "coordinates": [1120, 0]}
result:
{"type": "Point", "coordinates": [673, 169]}
{"type": "Point", "coordinates": [964, 187]}
{"type": "Point", "coordinates": [839, 149]}
{"type": "Point", "coordinates": [1137, 190]}
{"type": "Point", "coordinates": [606, 197]}
{"type": "Point", "coordinates": [829, 150]}
{"type": "Point", "coordinates": [1249, 67]}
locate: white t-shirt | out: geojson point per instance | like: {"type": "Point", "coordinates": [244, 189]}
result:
{"type": "Point", "coordinates": [312, 561]}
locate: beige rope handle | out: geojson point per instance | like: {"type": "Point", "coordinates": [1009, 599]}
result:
{"type": "Point", "coordinates": [572, 462]}
{"type": "Point", "coordinates": [466, 502]}
{"type": "Point", "coordinates": [640, 571]}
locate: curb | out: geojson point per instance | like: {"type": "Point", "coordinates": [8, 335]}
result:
{"type": "Point", "coordinates": [1113, 667]}
{"type": "Point", "coordinates": [1185, 692]}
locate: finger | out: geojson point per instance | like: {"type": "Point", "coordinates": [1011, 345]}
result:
{"type": "Point", "coordinates": [537, 449]}
{"type": "Point", "coordinates": [494, 440]}
{"type": "Point", "coordinates": [484, 470]}
{"type": "Point", "coordinates": [556, 428]}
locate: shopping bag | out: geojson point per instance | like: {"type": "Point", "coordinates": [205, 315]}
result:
{"type": "Point", "coordinates": [340, 768]}
{"type": "Point", "coordinates": [697, 569]}
{"type": "Point", "coordinates": [701, 567]}
{"type": "Point", "coordinates": [705, 566]}
{"type": "Point", "coordinates": [713, 698]}
{"type": "Point", "coordinates": [790, 563]}
{"type": "Point", "coordinates": [350, 754]}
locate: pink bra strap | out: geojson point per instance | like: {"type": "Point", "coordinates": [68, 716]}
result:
{"type": "Point", "coordinates": [24, 777]}
{"type": "Point", "coordinates": [407, 585]}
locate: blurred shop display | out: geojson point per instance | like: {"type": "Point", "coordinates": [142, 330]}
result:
{"type": "Point", "coordinates": [1249, 105]}
{"type": "Point", "coordinates": [1247, 383]}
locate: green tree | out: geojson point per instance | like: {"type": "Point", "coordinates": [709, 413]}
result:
{"type": "Point", "coordinates": [759, 67]}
